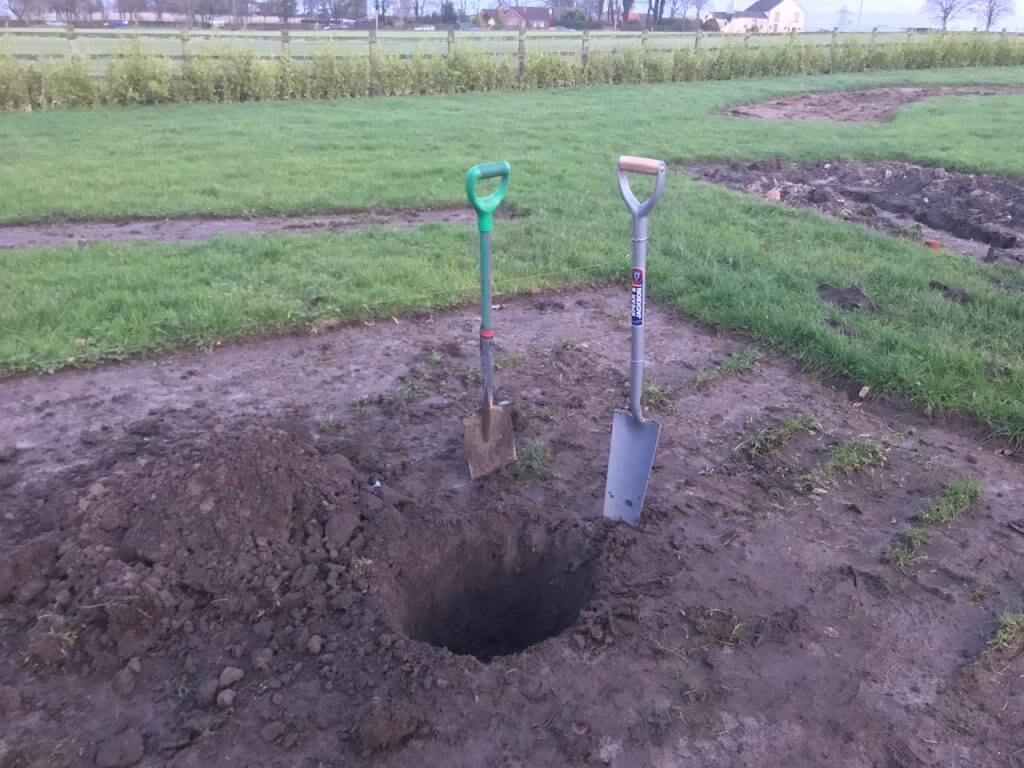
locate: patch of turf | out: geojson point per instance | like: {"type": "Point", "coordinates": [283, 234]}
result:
{"type": "Point", "coordinates": [956, 499]}
{"type": "Point", "coordinates": [1009, 638]}
{"type": "Point", "coordinates": [769, 440]}
{"type": "Point", "coordinates": [533, 462]}
{"type": "Point", "coordinates": [737, 362]}
{"type": "Point", "coordinates": [851, 456]}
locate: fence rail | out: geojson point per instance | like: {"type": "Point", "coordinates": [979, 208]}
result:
{"type": "Point", "coordinates": [31, 44]}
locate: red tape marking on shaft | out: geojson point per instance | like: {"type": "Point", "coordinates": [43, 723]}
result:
{"type": "Point", "coordinates": [486, 334]}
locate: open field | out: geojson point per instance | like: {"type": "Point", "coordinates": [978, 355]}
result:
{"type": "Point", "coordinates": [54, 43]}
{"type": "Point", "coordinates": [756, 269]}
{"type": "Point", "coordinates": [270, 551]}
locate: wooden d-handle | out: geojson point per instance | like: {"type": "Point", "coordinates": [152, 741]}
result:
{"type": "Point", "coordinates": [640, 165]}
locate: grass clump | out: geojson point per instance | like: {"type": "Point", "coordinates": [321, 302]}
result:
{"type": "Point", "coordinates": [1009, 638]}
{"type": "Point", "coordinates": [770, 440]}
{"type": "Point", "coordinates": [737, 362]}
{"type": "Point", "coordinates": [851, 456]}
{"type": "Point", "coordinates": [533, 462]}
{"type": "Point", "coordinates": [655, 398]}
{"type": "Point", "coordinates": [955, 500]}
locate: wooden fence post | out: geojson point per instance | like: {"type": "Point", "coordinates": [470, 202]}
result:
{"type": "Point", "coordinates": [374, 55]}
{"type": "Point", "coordinates": [451, 41]}
{"type": "Point", "coordinates": [833, 49]}
{"type": "Point", "coordinates": [696, 39]}
{"type": "Point", "coordinates": [643, 40]}
{"type": "Point", "coordinates": [184, 41]}
{"type": "Point", "coordinates": [746, 40]}
{"type": "Point", "coordinates": [285, 43]}
{"type": "Point", "coordinates": [69, 33]}
{"type": "Point", "coordinates": [585, 48]}
{"type": "Point", "coordinates": [521, 53]}
{"type": "Point", "coordinates": [874, 35]}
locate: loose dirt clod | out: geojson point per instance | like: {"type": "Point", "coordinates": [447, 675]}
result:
{"type": "Point", "coordinates": [873, 104]}
{"type": "Point", "coordinates": [850, 299]}
{"type": "Point", "coordinates": [978, 215]}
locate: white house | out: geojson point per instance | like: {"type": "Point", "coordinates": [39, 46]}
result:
{"type": "Point", "coordinates": [765, 16]}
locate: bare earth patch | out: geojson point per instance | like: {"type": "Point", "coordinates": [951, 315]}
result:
{"type": "Point", "coordinates": [203, 228]}
{"type": "Point", "coordinates": [978, 215]}
{"type": "Point", "coordinates": [272, 555]}
{"type": "Point", "coordinates": [872, 105]}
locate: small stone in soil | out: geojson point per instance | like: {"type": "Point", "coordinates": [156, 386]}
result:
{"type": "Point", "coordinates": [230, 676]}
{"type": "Point", "coordinates": [121, 750]}
{"type": "Point", "coordinates": [225, 698]}
{"type": "Point", "coordinates": [272, 731]}
{"type": "Point", "coordinates": [206, 692]}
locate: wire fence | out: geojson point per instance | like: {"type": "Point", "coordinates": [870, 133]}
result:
{"type": "Point", "coordinates": [41, 44]}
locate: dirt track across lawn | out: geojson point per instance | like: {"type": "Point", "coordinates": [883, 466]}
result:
{"type": "Point", "coordinates": [272, 555]}
{"type": "Point", "coordinates": [872, 105]}
{"type": "Point", "coordinates": [978, 215]}
{"type": "Point", "coordinates": [192, 229]}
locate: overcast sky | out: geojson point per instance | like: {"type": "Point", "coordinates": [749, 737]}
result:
{"type": "Point", "coordinates": [885, 14]}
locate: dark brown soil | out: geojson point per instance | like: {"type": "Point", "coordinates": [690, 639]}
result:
{"type": "Point", "coordinates": [978, 215]}
{"type": "Point", "coordinates": [872, 105]}
{"type": "Point", "coordinates": [184, 230]}
{"type": "Point", "coordinates": [273, 555]}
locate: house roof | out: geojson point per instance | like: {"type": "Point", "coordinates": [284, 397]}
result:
{"type": "Point", "coordinates": [759, 7]}
{"type": "Point", "coordinates": [533, 12]}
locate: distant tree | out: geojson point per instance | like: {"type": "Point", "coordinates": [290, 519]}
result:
{"type": "Point", "coordinates": [448, 13]}
{"type": "Point", "coordinates": [991, 11]}
{"type": "Point", "coordinates": [25, 10]}
{"type": "Point", "coordinates": [945, 11]}
{"type": "Point", "coordinates": [627, 6]}
{"type": "Point", "coordinates": [380, 8]}
{"type": "Point", "coordinates": [699, 6]}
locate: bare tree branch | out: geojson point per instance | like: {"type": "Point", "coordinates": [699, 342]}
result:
{"type": "Point", "coordinates": [945, 11]}
{"type": "Point", "coordinates": [991, 11]}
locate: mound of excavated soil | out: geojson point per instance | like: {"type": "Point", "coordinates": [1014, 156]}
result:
{"type": "Point", "coordinates": [874, 104]}
{"type": "Point", "coordinates": [979, 215]}
{"type": "Point", "coordinates": [273, 556]}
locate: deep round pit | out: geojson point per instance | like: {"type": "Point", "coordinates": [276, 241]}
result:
{"type": "Point", "coordinates": [487, 595]}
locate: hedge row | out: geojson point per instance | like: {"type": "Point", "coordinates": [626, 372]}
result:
{"type": "Point", "coordinates": [139, 78]}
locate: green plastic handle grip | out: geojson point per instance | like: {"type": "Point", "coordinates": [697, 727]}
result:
{"type": "Point", "coordinates": [485, 206]}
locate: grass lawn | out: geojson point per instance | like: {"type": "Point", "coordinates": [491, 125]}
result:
{"type": "Point", "coordinates": [718, 255]}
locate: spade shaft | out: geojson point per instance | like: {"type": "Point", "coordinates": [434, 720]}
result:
{"type": "Point", "coordinates": [634, 438]}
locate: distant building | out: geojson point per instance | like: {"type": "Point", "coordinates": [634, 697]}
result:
{"type": "Point", "coordinates": [766, 16]}
{"type": "Point", "coordinates": [521, 16]}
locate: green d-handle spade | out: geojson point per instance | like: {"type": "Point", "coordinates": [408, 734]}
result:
{"type": "Point", "coordinates": [489, 439]}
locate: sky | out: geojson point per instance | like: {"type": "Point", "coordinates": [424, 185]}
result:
{"type": "Point", "coordinates": [887, 14]}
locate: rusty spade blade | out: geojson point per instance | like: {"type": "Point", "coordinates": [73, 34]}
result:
{"type": "Point", "coordinates": [489, 439]}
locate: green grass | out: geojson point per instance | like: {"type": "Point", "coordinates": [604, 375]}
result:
{"type": "Point", "coordinates": [956, 499]}
{"type": "Point", "coordinates": [533, 462]}
{"type": "Point", "coordinates": [1009, 638]}
{"type": "Point", "coordinates": [846, 458]}
{"type": "Point", "coordinates": [725, 258]}
{"type": "Point", "coordinates": [656, 398]}
{"type": "Point", "coordinates": [738, 362]}
{"type": "Point", "coordinates": [767, 441]}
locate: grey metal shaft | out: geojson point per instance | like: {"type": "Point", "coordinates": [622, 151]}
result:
{"type": "Point", "coordinates": [636, 358]}
{"type": "Point", "coordinates": [486, 336]}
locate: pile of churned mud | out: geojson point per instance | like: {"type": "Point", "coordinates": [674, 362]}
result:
{"type": "Point", "coordinates": [979, 215]}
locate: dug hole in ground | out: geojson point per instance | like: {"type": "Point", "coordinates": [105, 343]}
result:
{"type": "Point", "coordinates": [272, 555]}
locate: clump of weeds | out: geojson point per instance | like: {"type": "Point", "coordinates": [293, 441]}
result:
{"type": "Point", "coordinates": [848, 457]}
{"type": "Point", "coordinates": [533, 462]}
{"type": "Point", "coordinates": [767, 441]}
{"type": "Point", "coordinates": [1009, 638]}
{"type": "Point", "coordinates": [955, 499]}
{"type": "Point", "coordinates": [738, 362]}
{"type": "Point", "coordinates": [656, 398]}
